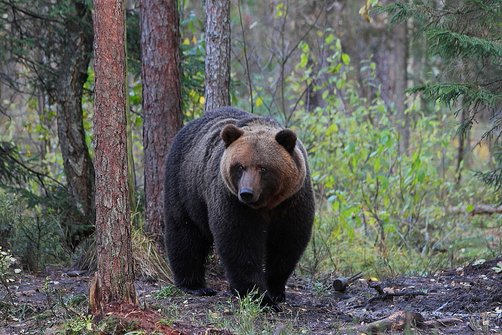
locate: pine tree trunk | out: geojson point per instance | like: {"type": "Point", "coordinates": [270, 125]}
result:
{"type": "Point", "coordinates": [217, 93]}
{"type": "Point", "coordinates": [77, 163]}
{"type": "Point", "coordinates": [114, 281]}
{"type": "Point", "coordinates": [160, 42]}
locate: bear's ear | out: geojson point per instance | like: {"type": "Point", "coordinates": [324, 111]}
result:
{"type": "Point", "coordinates": [230, 133]}
{"type": "Point", "coordinates": [286, 138]}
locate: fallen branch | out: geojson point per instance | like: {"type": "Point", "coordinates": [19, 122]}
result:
{"type": "Point", "coordinates": [394, 322]}
{"type": "Point", "coordinates": [446, 322]}
{"type": "Point", "coordinates": [389, 294]}
{"type": "Point", "coordinates": [399, 321]}
{"type": "Point", "coordinates": [476, 210]}
{"type": "Point", "coordinates": [340, 284]}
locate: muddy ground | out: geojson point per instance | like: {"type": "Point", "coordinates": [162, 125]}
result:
{"type": "Point", "coordinates": [466, 300]}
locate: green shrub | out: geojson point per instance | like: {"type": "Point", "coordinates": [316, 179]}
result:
{"type": "Point", "coordinates": [167, 292]}
{"type": "Point", "coordinates": [34, 232]}
{"type": "Point", "coordinates": [381, 211]}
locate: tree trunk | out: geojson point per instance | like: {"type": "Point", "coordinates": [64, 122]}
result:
{"type": "Point", "coordinates": [77, 162]}
{"type": "Point", "coordinates": [217, 87]}
{"type": "Point", "coordinates": [401, 80]}
{"type": "Point", "coordinates": [114, 281]}
{"type": "Point", "coordinates": [390, 48]}
{"type": "Point", "coordinates": [160, 69]}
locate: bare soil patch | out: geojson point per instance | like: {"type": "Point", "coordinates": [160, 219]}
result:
{"type": "Point", "coordinates": [466, 300]}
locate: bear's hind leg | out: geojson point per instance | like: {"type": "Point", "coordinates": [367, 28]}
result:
{"type": "Point", "coordinates": [187, 251]}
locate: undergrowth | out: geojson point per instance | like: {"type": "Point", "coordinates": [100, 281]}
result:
{"type": "Point", "coordinates": [247, 317]}
{"type": "Point", "coordinates": [379, 210]}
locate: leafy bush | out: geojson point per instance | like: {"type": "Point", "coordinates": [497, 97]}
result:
{"type": "Point", "coordinates": [34, 232]}
{"type": "Point", "coordinates": [6, 277]}
{"type": "Point", "coordinates": [379, 210]}
{"type": "Point", "coordinates": [167, 291]}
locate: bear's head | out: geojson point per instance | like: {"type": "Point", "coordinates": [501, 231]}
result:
{"type": "Point", "coordinates": [262, 165]}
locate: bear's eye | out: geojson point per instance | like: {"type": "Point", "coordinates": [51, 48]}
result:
{"type": "Point", "coordinates": [241, 168]}
{"type": "Point", "coordinates": [263, 169]}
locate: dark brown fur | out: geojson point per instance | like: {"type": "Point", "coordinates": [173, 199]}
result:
{"type": "Point", "coordinates": [242, 183]}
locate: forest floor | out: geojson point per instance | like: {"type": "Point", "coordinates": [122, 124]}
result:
{"type": "Point", "coordinates": [466, 300]}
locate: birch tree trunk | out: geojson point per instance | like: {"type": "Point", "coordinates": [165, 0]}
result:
{"type": "Point", "coordinates": [217, 87]}
{"type": "Point", "coordinates": [160, 70]}
{"type": "Point", "coordinates": [114, 281]}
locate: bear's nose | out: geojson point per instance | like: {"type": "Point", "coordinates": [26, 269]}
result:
{"type": "Point", "coordinates": [246, 194]}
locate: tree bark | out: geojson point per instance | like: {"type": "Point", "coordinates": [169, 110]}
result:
{"type": "Point", "coordinates": [71, 76]}
{"type": "Point", "coordinates": [114, 281]}
{"type": "Point", "coordinates": [217, 86]}
{"type": "Point", "coordinates": [401, 80]}
{"type": "Point", "coordinates": [160, 70]}
{"type": "Point", "coordinates": [390, 48]}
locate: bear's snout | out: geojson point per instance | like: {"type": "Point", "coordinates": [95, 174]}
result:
{"type": "Point", "coordinates": [249, 186]}
{"type": "Point", "coordinates": [246, 195]}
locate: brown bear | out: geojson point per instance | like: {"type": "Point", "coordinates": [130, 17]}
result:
{"type": "Point", "coordinates": [240, 182]}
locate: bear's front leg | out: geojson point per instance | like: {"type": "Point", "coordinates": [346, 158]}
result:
{"type": "Point", "coordinates": [240, 236]}
{"type": "Point", "coordinates": [287, 238]}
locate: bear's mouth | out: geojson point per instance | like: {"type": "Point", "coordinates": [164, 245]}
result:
{"type": "Point", "coordinates": [251, 202]}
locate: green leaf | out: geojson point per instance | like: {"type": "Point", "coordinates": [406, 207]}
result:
{"type": "Point", "coordinates": [345, 59]}
{"type": "Point", "coordinates": [330, 38]}
{"type": "Point", "coordinates": [304, 58]}
{"type": "Point", "coordinates": [138, 121]}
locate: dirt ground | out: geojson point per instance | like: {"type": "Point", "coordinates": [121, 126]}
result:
{"type": "Point", "coordinates": [466, 300]}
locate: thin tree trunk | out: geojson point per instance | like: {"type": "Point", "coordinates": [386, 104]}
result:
{"type": "Point", "coordinates": [114, 281]}
{"type": "Point", "coordinates": [77, 162]}
{"type": "Point", "coordinates": [217, 86]}
{"type": "Point", "coordinates": [390, 54]}
{"type": "Point", "coordinates": [160, 42]}
{"type": "Point", "coordinates": [401, 80]}
{"type": "Point", "coordinates": [462, 135]}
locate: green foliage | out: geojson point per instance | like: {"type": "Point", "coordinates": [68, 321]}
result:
{"type": "Point", "coordinates": [6, 260]}
{"type": "Point", "coordinates": [7, 277]}
{"type": "Point", "coordinates": [133, 42]}
{"type": "Point", "coordinates": [11, 172]}
{"type": "Point", "coordinates": [78, 326]}
{"type": "Point", "coordinates": [33, 231]}
{"type": "Point", "coordinates": [167, 291]}
{"type": "Point", "coordinates": [465, 46]}
{"type": "Point", "coordinates": [6, 272]}
{"type": "Point", "coordinates": [494, 177]}
{"type": "Point", "coordinates": [247, 313]}
{"type": "Point", "coordinates": [33, 35]}
{"type": "Point", "coordinates": [247, 317]}
{"type": "Point", "coordinates": [380, 211]}
{"type": "Point", "coordinates": [449, 93]}
{"type": "Point", "coordinates": [465, 35]}
{"type": "Point", "coordinates": [193, 51]}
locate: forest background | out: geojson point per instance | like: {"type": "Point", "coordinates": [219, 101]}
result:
{"type": "Point", "coordinates": [399, 109]}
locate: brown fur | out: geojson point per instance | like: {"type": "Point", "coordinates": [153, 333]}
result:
{"type": "Point", "coordinates": [241, 183]}
{"type": "Point", "coordinates": [258, 148]}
